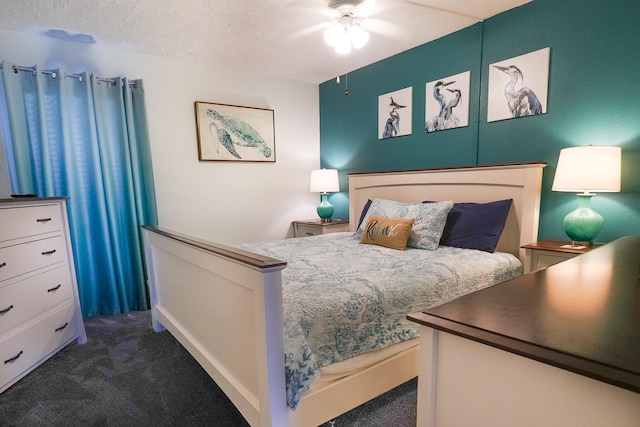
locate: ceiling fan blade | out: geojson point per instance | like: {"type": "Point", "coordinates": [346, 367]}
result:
{"type": "Point", "coordinates": [311, 30]}
{"type": "Point", "coordinates": [315, 7]}
{"type": "Point", "coordinates": [445, 10]}
{"type": "Point", "coordinates": [382, 27]}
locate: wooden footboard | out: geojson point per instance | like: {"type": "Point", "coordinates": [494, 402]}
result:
{"type": "Point", "coordinates": [225, 308]}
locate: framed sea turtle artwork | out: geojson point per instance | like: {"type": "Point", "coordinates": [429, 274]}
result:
{"type": "Point", "coordinates": [235, 133]}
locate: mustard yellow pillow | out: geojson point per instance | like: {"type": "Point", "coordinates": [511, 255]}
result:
{"type": "Point", "coordinates": [388, 232]}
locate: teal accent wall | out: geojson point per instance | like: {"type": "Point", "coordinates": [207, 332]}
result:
{"type": "Point", "coordinates": [593, 98]}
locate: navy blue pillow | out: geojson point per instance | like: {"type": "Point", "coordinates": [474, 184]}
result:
{"type": "Point", "coordinates": [365, 209]}
{"type": "Point", "coordinates": [476, 225]}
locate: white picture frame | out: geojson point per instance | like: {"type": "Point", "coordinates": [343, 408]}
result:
{"type": "Point", "coordinates": [447, 102]}
{"type": "Point", "coordinates": [518, 86]}
{"type": "Point", "coordinates": [395, 113]}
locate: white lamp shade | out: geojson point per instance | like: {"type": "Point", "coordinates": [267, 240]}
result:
{"type": "Point", "coordinates": [345, 33]}
{"type": "Point", "coordinates": [324, 181]}
{"type": "Point", "coordinates": [590, 168]}
{"type": "Point", "coordinates": [334, 34]}
{"type": "Point", "coordinates": [344, 45]}
{"type": "Point", "coordinates": [359, 37]}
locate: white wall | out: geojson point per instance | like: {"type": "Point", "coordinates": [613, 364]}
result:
{"type": "Point", "coordinates": [227, 202]}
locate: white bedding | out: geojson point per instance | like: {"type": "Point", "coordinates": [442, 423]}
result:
{"type": "Point", "coordinates": [342, 298]}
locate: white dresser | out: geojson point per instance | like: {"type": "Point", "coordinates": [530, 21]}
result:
{"type": "Point", "coordinates": [39, 305]}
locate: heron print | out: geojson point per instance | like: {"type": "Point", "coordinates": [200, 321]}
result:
{"type": "Point", "coordinates": [447, 103]}
{"type": "Point", "coordinates": [518, 86]}
{"type": "Point", "coordinates": [394, 113]}
{"type": "Point", "coordinates": [231, 133]}
{"type": "Point", "coordinates": [393, 122]}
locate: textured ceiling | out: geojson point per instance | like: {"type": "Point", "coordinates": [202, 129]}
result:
{"type": "Point", "coordinates": [280, 38]}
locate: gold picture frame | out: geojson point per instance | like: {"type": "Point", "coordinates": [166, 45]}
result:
{"type": "Point", "coordinates": [235, 133]}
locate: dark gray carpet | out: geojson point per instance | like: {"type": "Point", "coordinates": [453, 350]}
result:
{"type": "Point", "coordinates": [129, 375]}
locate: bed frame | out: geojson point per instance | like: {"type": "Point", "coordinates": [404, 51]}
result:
{"type": "Point", "coordinates": [224, 305]}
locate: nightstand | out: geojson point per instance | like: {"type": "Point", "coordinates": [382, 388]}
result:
{"type": "Point", "coordinates": [545, 253]}
{"type": "Point", "coordinates": [314, 227]}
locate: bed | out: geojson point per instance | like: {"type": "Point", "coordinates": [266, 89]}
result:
{"type": "Point", "coordinates": [225, 304]}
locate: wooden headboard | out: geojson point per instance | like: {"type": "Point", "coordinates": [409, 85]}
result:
{"type": "Point", "coordinates": [480, 184]}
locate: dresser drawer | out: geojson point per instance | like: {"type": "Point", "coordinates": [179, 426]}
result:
{"type": "Point", "coordinates": [21, 351]}
{"type": "Point", "coordinates": [28, 298]}
{"type": "Point", "coordinates": [23, 258]}
{"type": "Point", "coordinates": [29, 221]}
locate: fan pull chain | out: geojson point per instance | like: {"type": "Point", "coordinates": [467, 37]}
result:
{"type": "Point", "coordinates": [346, 83]}
{"type": "Point", "coordinates": [346, 75]}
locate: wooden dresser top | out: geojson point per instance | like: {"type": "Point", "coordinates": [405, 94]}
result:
{"type": "Point", "coordinates": [582, 315]}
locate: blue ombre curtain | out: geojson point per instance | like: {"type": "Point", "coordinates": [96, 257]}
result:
{"type": "Point", "coordinates": [87, 138]}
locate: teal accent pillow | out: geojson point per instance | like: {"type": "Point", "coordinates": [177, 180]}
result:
{"type": "Point", "coordinates": [428, 225]}
{"type": "Point", "coordinates": [476, 225]}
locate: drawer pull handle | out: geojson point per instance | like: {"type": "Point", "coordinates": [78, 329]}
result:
{"type": "Point", "coordinates": [4, 264]}
{"type": "Point", "coordinates": [14, 358]}
{"type": "Point", "coordinates": [6, 310]}
{"type": "Point", "coordinates": [61, 327]}
{"type": "Point", "coordinates": [43, 219]}
{"type": "Point", "coordinates": [55, 288]}
{"type": "Point", "coordinates": [52, 251]}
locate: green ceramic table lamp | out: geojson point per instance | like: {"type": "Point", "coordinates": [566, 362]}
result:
{"type": "Point", "coordinates": [324, 181]}
{"type": "Point", "coordinates": [587, 169]}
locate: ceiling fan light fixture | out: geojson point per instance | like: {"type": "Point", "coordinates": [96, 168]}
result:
{"type": "Point", "coordinates": [334, 34]}
{"type": "Point", "coordinates": [359, 37]}
{"type": "Point", "coordinates": [343, 46]}
{"type": "Point", "coordinates": [345, 33]}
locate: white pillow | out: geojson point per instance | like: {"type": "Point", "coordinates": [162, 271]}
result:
{"type": "Point", "coordinates": [428, 225]}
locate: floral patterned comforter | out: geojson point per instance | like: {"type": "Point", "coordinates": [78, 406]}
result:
{"type": "Point", "coordinates": [342, 298]}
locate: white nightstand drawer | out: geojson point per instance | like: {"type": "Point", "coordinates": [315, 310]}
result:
{"type": "Point", "coordinates": [26, 257]}
{"type": "Point", "coordinates": [29, 221]}
{"type": "Point", "coordinates": [316, 227]}
{"type": "Point", "coordinates": [306, 230]}
{"type": "Point", "coordinates": [28, 298]}
{"type": "Point", "coordinates": [546, 259]}
{"type": "Point", "coordinates": [19, 352]}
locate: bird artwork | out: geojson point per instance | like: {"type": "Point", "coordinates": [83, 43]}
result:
{"type": "Point", "coordinates": [230, 132]}
{"type": "Point", "coordinates": [393, 122]}
{"type": "Point", "coordinates": [447, 102]}
{"type": "Point", "coordinates": [445, 119]}
{"type": "Point", "coordinates": [523, 101]}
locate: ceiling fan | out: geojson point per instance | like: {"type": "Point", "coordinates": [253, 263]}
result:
{"type": "Point", "coordinates": [345, 31]}
{"type": "Point", "coordinates": [367, 15]}
{"type": "Point", "coordinates": [346, 24]}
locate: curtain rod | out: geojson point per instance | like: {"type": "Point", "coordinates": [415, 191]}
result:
{"type": "Point", "coordinates": [53, 74]}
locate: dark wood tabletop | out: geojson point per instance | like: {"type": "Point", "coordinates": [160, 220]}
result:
{"type": "Point", "coordinates": [582, 315]}
{"type": "Point", "coordinates": [558, 245]}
